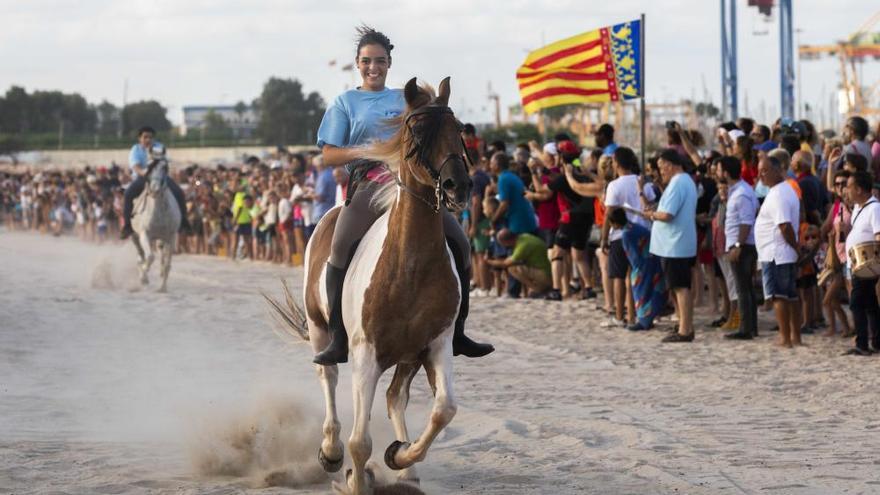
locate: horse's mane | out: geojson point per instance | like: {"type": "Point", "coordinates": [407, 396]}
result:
{"type": "Point", "coordinates": [396, 150]}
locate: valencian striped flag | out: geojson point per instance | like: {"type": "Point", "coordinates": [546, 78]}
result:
{"type": "Point", "coordinates": [597, 66]}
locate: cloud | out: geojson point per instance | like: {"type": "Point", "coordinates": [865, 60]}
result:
{"type": "Point", "coordinates": [211, 51]}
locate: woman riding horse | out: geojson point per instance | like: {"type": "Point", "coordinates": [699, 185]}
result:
{"type": "Point", "coordinates": [356, 118]}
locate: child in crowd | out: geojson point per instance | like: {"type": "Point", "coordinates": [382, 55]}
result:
{"type": "Point", "coordinates": [481, 243]}
{"type": "Point", "coordinates": [807, 270]}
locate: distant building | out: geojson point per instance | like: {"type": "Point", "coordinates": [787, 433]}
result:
{"type": "Point", "coordinates": [243, 124]}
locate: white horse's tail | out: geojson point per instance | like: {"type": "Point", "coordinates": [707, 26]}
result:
{"type": "Point", "coordinates": [289, 315]}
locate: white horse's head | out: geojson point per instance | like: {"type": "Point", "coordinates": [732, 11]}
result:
{"type": "Point", "coordinates": [158, 174]}
{"type": "Point", "coordinates": [158, 169]}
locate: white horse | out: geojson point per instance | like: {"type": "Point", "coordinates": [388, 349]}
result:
{"type": "Point", "coordinates": [155, 221]}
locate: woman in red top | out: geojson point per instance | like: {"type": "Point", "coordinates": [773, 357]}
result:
{"type": "Point", "coordinates": [742, 149]}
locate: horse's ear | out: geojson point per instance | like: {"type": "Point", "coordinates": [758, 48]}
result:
{"type": "Point", "coordinates": [443, 98]}
{"type": "Point", "coordinates": [411, 93]}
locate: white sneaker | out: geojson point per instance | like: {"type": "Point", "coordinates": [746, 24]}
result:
{"type": "Point", "coordinates": [612, 323]}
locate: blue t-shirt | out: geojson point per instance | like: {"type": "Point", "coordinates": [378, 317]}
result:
{"type": "Point", "coordinates": [610, 149]}
{"type": "Point", "coordinates": [325, 188]}
{"type": "Point", "coordinates": [358, 117]}
{"type": "Point", "coordinates": [677, 238]}
{"type": "Point", "coordinates": [139, 156]}
{"type": "Point", "coordinates": [520, 214]}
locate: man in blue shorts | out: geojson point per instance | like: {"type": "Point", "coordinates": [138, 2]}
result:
{"type": "Point", "coordinates": [674, 237]}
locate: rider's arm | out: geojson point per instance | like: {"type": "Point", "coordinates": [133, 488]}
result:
{"type": "Point", "coordinates": [135, 161]}
{"type": "Point", "coordinates": [335, 156]}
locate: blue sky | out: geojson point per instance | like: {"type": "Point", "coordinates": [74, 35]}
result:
{"type": "Point", "coordinates": [210, 52]}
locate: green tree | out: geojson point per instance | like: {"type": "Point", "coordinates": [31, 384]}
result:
{"type": "Point", "coordinates": [141, 113]}
{"type": "Point", "coordinates": [520, 132]}
{"type": "Point", "coordinates": [240, 109]}
{"type": "Point", "coordinates": [10, 145]}
{"type": "Point", "coordinates": [287, 116]}
{"type": "Point", "coordinates": [215, 126]}
{"type": "Point", "coordinates": [558, 112]}
{"type": "Point", "coordinates": [108, 118]}
{"type": "Point", "coordinates": [15, 111]}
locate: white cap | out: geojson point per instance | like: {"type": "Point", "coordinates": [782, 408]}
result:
{"type": "Point", "coordinates": [550, 148]}
{"type": "Point", "coordinates": [735, 134]}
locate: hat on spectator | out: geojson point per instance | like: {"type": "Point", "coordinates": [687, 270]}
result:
{"type": "Point", "coordinates": [735, 134]}
{"type": "Point", "coordinates": [568, 147]}
{"type": "Point", "coordinates": [766, 146]}
{"type": "Point", "coordinates": [550, 148]}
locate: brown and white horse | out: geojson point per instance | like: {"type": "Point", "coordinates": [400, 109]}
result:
{"type": "Point", "coordinates": [401, 292]}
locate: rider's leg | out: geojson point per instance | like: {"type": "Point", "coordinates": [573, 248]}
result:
{"type": "Point", "coordinates": [181, 202]}
{"type": "Point", "coordinates": [131, 192]}
{"type": "Point", "coordinates": [354, 221]}
{"type": "Point", "coordinates": [461, 253]}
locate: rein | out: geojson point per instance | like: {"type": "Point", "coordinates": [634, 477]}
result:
{"type": "Point", "coordinates": [416, 151]}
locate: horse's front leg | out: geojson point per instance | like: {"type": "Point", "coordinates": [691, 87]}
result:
{"type": "Point", "coordinates": [142, 265]}
{"type": "Point", "coordinates": [365, 375]}
{"type": "Point", "coordinates": [397, 399]}
{"type": "Point", "coordinates": [438, 365]}
{"type": "Point", "coordinates": [331, 452]}
{"type": "Point", "coordinates": [166, 250]}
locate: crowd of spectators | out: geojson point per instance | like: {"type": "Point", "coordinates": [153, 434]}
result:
{"type": "Point", "coordinates": [767, 218]}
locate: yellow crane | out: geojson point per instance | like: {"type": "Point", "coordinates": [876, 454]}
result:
{"type": "Point", "coordinates": [862, 44]}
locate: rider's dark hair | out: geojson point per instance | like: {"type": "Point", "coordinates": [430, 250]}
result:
{"type": "Point", "coordinates": [146, 128]}
{"type": "Point", "coordinates": [369, 36]}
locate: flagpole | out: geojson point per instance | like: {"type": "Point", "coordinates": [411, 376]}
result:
{"type": "Point", "coordinates": [642, 85]}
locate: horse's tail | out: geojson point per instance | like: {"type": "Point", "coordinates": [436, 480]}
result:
{"type": "Point", "coordinates": [289, 315]}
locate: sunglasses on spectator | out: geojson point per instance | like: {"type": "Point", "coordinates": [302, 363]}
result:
{"type": "Point", "coordinates": [840, 184]}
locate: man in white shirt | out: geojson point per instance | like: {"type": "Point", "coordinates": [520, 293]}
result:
{"type": "Point", "coordinates": [621, 192]}
{"type": "Point", "coordinates": [739, 233]}
{"type": "Point", "coordinates": [776, 241]}
{"type": "Point", "coordinates": [865, 228]}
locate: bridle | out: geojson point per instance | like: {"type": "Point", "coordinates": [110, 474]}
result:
{"type": "Point", "coordinates": [152, 167]}
{"type": "Point", "coordinates": [418, 152]}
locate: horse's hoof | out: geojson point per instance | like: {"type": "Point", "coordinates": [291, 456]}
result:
{"type": "Point", "coordinates": [391, 452]}
{"type": "Point", "coordinates": [329, 465]}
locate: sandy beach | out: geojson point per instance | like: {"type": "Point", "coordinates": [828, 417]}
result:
{"type": "Point", "coordinates": [108, 390]}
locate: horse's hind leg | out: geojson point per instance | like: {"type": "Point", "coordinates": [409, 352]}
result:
{"type": "Point", "coordinates": [365, 376]}
{"type": "Point", "coordinates": [438, 365]}
{"type": "Point", "coordinates": [397, 398]}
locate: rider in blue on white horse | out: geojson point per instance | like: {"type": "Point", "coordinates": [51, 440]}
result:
{"type": "Point", "coordinates": [138, 161]}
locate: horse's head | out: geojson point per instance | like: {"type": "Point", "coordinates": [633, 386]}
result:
{"type": "Point", "coordinates": [435, 153]}
{"type": "Point", "coordinates": [158, 172]}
